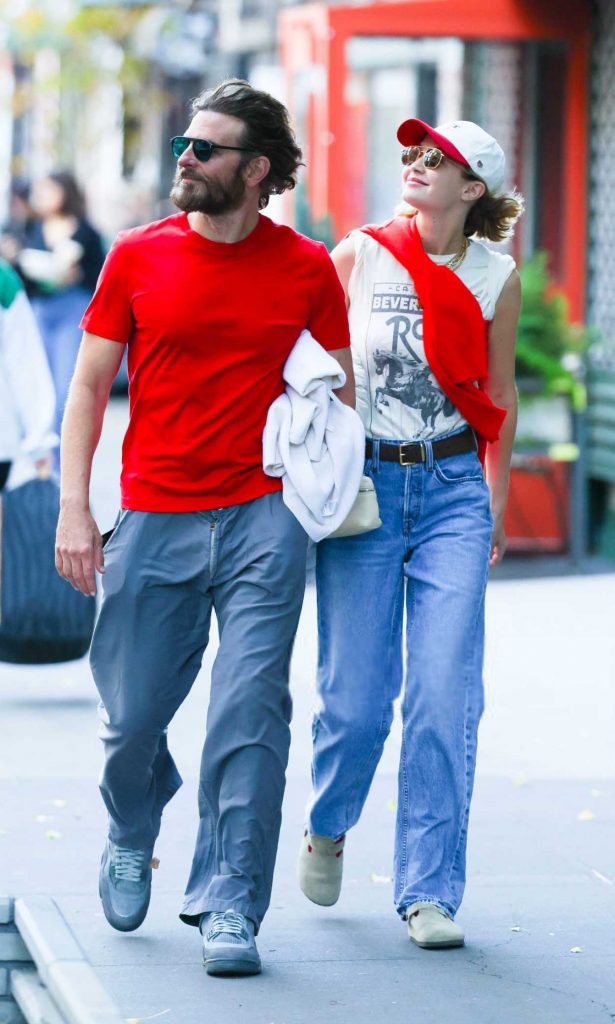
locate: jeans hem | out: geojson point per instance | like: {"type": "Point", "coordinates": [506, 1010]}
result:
{"type": "Point", "coordinates": [327, 834]}
{"type": "Point", "coordinates": [447, 907]}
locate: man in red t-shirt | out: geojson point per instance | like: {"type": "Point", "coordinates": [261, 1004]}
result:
{"type": "Point", "coordinates": [210, 302]}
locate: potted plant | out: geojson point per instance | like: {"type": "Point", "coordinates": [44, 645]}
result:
{"type": "Point", "coordinates": [549, 369]}
{"type": "Point", "coordinates": [549, 359]}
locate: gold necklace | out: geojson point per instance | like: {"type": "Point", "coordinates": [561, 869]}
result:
{"type": "Point", "coordinates": [456, 260]}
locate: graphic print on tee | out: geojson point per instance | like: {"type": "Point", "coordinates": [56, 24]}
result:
{"type": "Point", "coordinates": [397, 364]}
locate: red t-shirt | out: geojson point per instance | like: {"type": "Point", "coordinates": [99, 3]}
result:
{"type": "Point", "coordinates": [209, 327]}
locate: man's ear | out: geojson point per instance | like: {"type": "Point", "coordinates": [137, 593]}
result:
{"type": "Point", "coordinates": [256, 170]}
{"type": "Point", "coordinates": [473, 190]}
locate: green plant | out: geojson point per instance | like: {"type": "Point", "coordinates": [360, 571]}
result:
{"type": "Point", "coordinates": [321, 229]}
{"type": "Point", "coordinates": [545, 335]}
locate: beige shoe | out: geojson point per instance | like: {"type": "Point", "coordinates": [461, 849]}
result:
{"type": "Point", "coordinates": [320, 868]}
{"type": "Point", "coordinates": [431, 927]}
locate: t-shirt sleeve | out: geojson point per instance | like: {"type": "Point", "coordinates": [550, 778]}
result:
{"type": "Point", "coordinates": [109, 314]}
{"type": "Point", "coordinates": [501, 266]}
{"type": "Point", "coordinates": [328, 321]}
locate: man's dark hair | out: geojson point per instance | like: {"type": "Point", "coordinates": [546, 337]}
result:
{"type": "Point", "coordinates": [267, 130]}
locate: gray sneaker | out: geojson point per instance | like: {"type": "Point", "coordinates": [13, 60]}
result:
{"type": "Point", "coordinates": [124, 885]}
{"type": "Point", "coordinates": [228, 944]}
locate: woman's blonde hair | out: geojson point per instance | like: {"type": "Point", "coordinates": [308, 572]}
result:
{"type": "Point", "coordinates": [493, 217]}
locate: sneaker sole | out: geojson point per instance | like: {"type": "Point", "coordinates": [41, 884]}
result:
{"type": "Point", "coordinates": [320, 902]}
{"type": "Point", "coordinates": [447, 944]}
{"type": "Point", "coordinates": [122, 924]}
{"type": "Point", "coordinates": [226, 966]}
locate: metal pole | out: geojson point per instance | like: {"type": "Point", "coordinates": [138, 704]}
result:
{"type": "Point", "coordinates": [578, 488]}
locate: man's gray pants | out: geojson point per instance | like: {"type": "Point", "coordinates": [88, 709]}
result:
{"type": "Point", "coordinates": [165, 572]}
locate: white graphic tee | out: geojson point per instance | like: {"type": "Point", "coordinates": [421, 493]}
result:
{"type": "Point", "coordinates": [398, 397]}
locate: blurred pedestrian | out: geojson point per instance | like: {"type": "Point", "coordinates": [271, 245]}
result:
{"type": "Point", "coordinates": [433, 315]}
{"type": "Point", "coordinates": [19, 221]}
{"type": "Point", "coordinates": [27, 400]}
{"type": "Point", "coordinates": [61, 258]}
{"type": "Point", "coordinates": [210, 302]}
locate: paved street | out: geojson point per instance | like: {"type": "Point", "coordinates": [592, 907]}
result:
{"type": "Point", "coordinates": [541, 859]}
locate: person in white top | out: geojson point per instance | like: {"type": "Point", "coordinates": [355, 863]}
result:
{"type": "Point", "coordinates": [433, 314]}
{"type": "Point", "coordinates": [27, 398]}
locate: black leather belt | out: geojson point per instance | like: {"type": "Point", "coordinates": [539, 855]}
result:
{"type": "Point", "coordinates": [414, 451]}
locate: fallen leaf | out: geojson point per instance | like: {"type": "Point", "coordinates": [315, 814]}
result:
{"type": "Point", "coordinates": [139, 1020]}
{"type": "Point", "coordinates": [382, 879]}
{"type": "Point", "coordinates": [586, 815]}
{"type": "Point", "coordinates": [602, 878]}
{"type": "Point", "coordinates": [50, 834]}
{"type": "Point", "coordinates": [577, 949]}
{"type": "Point", "coordinates": [392, 805]}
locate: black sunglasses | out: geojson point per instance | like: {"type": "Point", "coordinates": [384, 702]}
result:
{"type": "Point", "coordinates": [202, 148]}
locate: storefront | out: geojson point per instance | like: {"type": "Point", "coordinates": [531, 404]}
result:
{"type": "Point", "coordinates": [527, 70]}
{"type": "Point", "coordinates": [354, 71]}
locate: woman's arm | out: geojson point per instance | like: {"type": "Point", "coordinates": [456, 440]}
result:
{"type": "Point", "coordinates": [30, 379]}
{"type": "Point", "coordinates": [343, 261]}
{"type": "Point", "coordinates": [501, 389]}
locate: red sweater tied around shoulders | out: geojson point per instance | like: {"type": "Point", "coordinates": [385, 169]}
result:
{"type": "Point", "coordinates": [454, 330]}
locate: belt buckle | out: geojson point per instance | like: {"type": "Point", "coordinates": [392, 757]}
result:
{"type": "Point", "coordinates": [409, 462]}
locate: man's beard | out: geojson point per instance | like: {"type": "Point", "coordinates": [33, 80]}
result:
{"type": "Point", "coordinates": [212, 197]}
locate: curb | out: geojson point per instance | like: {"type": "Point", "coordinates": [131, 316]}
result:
{"type": "Point", "coordinates": [46, 972]}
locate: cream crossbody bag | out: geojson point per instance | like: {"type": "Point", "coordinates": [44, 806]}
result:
{"type": "Point", "coordinates": [364, 514]}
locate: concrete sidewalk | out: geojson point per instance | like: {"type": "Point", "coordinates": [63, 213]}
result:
{"type": "Point", "coordinates": [541, 858]}
{"type": "Point", "coordinates": [541, 852]}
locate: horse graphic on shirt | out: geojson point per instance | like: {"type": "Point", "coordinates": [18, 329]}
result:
{"type": "Point", "coordinates": [411, 386]}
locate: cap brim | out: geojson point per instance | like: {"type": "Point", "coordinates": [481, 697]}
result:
{"type": "Point", "coordinates": [412, 132]}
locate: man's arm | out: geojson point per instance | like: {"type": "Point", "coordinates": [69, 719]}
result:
{"type": "Point", "coordinates": [78, 541]}
{"type": "Point", "coordinates": [501, 389]}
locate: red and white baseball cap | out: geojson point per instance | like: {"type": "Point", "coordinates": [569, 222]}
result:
{"type": "Point", "coordinates": [465, 142]}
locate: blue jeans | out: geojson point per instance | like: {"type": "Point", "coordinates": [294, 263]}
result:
{"type": "Point", "coordinates": [58, 317]}
{"type": "Point", "coordinates": [431, 554]}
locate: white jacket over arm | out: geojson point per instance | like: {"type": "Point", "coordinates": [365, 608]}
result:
{"type": "Point", "coordinates": [27, 398]}
{"type": "Point", "coordinates": [314, 442]}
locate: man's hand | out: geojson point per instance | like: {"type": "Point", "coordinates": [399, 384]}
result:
{"type": "Point", "coordinates": [498, 540]}
{"type": "Point", "coordinates": [79, 549]}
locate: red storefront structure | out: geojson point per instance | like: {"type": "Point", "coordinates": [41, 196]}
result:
{"type": "Point", "coordinates": [314, 38]}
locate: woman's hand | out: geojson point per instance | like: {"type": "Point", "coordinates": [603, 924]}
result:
{"type": "Point", "coordinates": [44, 466]}
{"type": "Point", "coordinates": [498, 540]}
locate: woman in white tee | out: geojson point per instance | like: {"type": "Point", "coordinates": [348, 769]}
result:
{"type": "Point", "coordinates": [430, 407]}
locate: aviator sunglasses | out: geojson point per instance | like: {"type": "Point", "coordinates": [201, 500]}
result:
{"type": "Point", "coordinates": [432, 157]}
{"type": "Point", "coordinates": [203, 149]}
